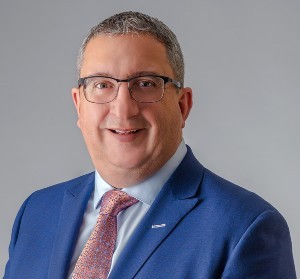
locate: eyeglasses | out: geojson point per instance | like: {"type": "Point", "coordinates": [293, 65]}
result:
{"type": "Point", "coordinates": [143, 89]}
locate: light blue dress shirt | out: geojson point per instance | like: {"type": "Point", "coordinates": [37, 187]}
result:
{"type": "Point", "coordinates": [128, 219]}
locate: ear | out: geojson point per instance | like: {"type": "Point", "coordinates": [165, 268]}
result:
{"type": "Point", "coordinates": [185, 103]}
{"type": "Point", "coordinates": [76, 100]}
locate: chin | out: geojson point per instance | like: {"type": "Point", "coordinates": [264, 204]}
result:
{"type": "Point", "coordinates": [128, 164]}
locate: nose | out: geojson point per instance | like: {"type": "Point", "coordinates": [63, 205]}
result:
{"type": "Point", "coordinates": [124, 106]}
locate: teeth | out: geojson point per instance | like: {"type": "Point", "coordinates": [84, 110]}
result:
{"type": "Point", "coordinates": [125, 132]}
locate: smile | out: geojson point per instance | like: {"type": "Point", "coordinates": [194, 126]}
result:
{"type": "Point", "coordinates": [125, 132]}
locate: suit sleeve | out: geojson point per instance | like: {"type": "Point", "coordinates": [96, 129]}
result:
{"type": "Point", "coordinates": [264, 250]}
{"type": "Point", "coordinates": [14, 238]}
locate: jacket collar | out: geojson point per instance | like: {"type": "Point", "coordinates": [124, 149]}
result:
{"type": "Point", "coordinates": [75, 200]}
{"type": "Point", "coordinates": [177, 198]}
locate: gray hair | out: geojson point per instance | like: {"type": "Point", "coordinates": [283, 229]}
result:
{"type": "Point", "coordinates": [138, 23]}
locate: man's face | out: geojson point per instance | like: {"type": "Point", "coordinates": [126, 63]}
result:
{"type": "Point", "coordinates": [129, 141]}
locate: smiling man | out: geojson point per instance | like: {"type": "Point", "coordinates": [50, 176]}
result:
{"type": "Point", "coordinates": [150, 209]}
{"type": "Point", "coordinates": [131, 110]}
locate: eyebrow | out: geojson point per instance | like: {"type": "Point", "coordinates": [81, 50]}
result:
{"type": "Point", "coordinates": [135, 74]}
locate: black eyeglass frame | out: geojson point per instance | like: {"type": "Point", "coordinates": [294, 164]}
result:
{"type": "Point", "coordinates": [176, 83]}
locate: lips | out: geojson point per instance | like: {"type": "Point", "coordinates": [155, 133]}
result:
{"type": "Point", "coordinates": [125, 132]}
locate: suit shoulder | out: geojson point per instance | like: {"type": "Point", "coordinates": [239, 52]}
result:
{"type": "Point", "coordinates": [62, 186]}
{"type": "Point", "coordinates": [229, 196]}
{"type": "Point", "coordinates": [56, 192]}
{"type": "Point", "coordinates": [233, 210]}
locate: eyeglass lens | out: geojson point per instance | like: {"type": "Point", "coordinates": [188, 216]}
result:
{"type": "Point", "coordinates": [146, 89]}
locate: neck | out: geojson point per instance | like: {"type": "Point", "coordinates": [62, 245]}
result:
{"type": "Point", "coordinates": [124, 178]}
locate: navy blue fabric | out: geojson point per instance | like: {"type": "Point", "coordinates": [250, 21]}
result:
{"type": "Point", "coordinates": [213, 229]}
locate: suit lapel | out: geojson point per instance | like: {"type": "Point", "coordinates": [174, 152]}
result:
{"type": "Point", "coordinates": [74, 203]}
{"type": "Point", "coordinates": [174, 202]}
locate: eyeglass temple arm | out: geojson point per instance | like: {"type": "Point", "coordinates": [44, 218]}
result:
{"type": "Point", "coordinates": [177, 83]}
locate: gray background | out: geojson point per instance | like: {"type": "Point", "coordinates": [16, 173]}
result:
{"type": "Point", "coordinates": [242, 61]}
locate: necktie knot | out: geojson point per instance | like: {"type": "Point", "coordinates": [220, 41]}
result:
{"type": "Point", "coordinates": [114, 201]}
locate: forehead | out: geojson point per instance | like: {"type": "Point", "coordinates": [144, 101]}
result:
{"type": "Point", "coordinates": [122, 55]}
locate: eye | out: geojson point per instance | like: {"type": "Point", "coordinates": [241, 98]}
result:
{"type": "Point", "coordinates": [103, 85]}
{"type": "Point", "coordinates": [146, 83]}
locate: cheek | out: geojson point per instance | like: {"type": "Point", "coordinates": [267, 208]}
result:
{"type": "Point", "coordinates": [91, 117]}
{"type": "Point", "coordinates": [173, 123]}
{"type": "Point", "coordinates": [167, 121]}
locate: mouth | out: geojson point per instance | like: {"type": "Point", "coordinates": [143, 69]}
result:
{"type": "Point", "coordinates": [125, 132]}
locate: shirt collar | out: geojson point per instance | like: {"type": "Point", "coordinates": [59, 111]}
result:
{"type": "Point", "coordinates": [147, 190]}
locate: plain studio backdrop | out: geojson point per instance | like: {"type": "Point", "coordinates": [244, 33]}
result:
{"type": "Point", "coordinates": [242, 61]}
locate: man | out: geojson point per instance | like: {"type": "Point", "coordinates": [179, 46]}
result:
{"type": "Point", "coordinates": [181, 220]}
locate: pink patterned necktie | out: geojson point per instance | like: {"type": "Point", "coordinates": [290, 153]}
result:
{"type": "Point", "coordinates": [95, 259]}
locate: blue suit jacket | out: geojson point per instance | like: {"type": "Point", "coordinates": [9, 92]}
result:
{"type": "Point", "coordinates": [214, 229]}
